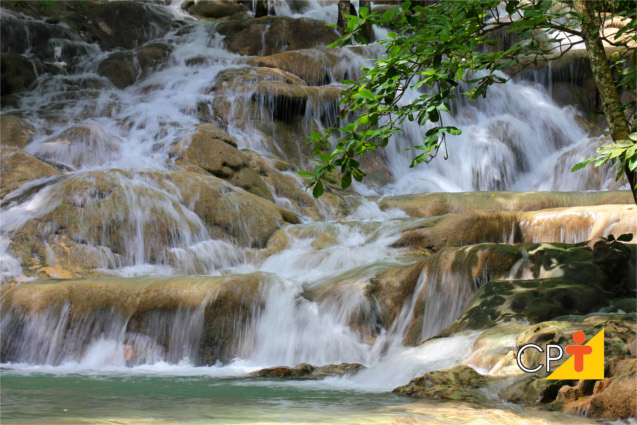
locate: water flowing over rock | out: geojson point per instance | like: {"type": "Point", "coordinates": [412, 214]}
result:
{"type": "Point", "coordinates": [275, 34]}
{"type": "Point", "coordinates": [128, 321]}
{"type": "Point", "coordinates": [154, 224]}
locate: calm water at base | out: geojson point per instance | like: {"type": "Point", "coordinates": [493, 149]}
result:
{"type": "Point", "coordinates": [44, 398]}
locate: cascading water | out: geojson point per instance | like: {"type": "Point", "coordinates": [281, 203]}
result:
{"type": "Point", "coordinates": [123, 201]}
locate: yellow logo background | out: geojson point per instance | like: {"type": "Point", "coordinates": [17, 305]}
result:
{"type": "Point", "coordinates": [593, 363]}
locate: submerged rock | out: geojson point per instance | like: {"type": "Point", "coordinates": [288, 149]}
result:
{"type": "Point", "coordinates": [460, 383]}
{"type": "Point", "coordinates": [307, 371]}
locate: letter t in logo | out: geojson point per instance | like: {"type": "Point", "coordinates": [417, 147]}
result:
{"type": "Point", "coordinates": [579, 351]}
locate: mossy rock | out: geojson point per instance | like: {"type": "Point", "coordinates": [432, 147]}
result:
{"type": "Point", "coordinates": [564, 280]}
{"type": "Point", "coordinates": [307, 371]}
{"type": "Point", "coordinates": [460, 383]}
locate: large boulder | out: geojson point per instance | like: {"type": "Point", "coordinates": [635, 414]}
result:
{"type": "Point", "coordinates": [275, 34]}
{"type": "Point", "coordinates": [18, 167]}
{"type": "Point", "coordinates": [149, 217]}
{"type": "Point", "coordinates": [556, 280]}
{"type": "Point", "coordinates": [460, 383]}
{"type": "Point", "coordinates": [152, 319]}
{"type": "Point", "coordinates": [215, 152]}
{"type": "Point", "coordinates": [15, 132]}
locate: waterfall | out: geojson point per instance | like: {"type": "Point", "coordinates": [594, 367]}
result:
{"type": "Point", "coordinates": [181, 268]}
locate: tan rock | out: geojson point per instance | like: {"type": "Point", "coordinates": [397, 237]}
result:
{"type": "Point", "coordinates": [216, 153]}
{"type": "Point", "coordinates": [274, 34]}
{"type": "Point", "coordinates": [15, 132]}
{"type": "Point", "coordinates": [18, 167]}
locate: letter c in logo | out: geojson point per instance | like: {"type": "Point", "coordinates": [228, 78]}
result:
{"type": "Point", "coordinates": [518, 358]}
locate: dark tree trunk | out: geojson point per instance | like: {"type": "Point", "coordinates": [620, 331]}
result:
{"type": "Point", "coordinates": [343, 9]}
{"type": "Point", "coordinates": [368, 30]}
{"type": "Point", "coordinates": [617, 123]}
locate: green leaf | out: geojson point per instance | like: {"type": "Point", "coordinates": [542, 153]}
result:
{"type": "Point", "coordinates": [346, 180]}
{"type": "Point", "coordinates": [582, 164]}
{"type": "Point", "coordinates": [305, 174]}
{"type": "Point", "coordinates": [626, 237]}
{"type": "Point", "coordinates": [318, 189]}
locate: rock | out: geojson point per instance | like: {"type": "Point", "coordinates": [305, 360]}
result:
{"type": "Point", "coordinates": [460, 383]}
{"type": "Point", "coordinates": [18, 167]}
{"type": "Point", "coordinates": [307, 371]}
{"type": "Point", "coordinates": [286, 184]}
{"type": "Point", "coordinates": [618, 331]}
{"type": "Point", "coordinates": [120, 68]}
{"type": "Point", "coordinates": [279, 108]}
{"type": "Point", "coordinates": [124, 24]}
{"type": "Point", "coordinates": [316, 66]}
{"type": "Point", "coordinates": [152, 56]}
{"type": "Point", "coordinates": [18, 72]}
{"type": "Point", "coordinates": [464, 228]}
{"type": "Point", "coordinates": [275, 34]}
{"type": "Point", "coordinates": [215, 8]}
{"type": "Point", "coordinates": [92, 209]}
{"type": "Point", "coordinates": [46, 40]}
{"type": "Point", "coordinates": [15, 132]}
{"type": "Point", "coordinates": [561, 280]}
{"type": "Point", "coordinates": [612, 399]}
{"type": "Point", "coordinates": [434, 204]}
{"type": "Point", "coordinates": [217, 153]}
{"type": "Point", "coordinates": [136, 304]}
{"type": "Point", "coordinates": [559, 225]}
{"type": "Point", "coordinates": [82, 145]}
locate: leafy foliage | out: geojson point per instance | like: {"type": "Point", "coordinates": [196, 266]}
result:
{"type": "Point", "coordinates": [441, 51]}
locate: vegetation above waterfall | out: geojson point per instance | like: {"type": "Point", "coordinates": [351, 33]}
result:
{"type": "Point", "coordinates": [440, 54]}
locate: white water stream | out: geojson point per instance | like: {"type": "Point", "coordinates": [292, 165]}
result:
{"type": "Point", "coordinates": [516, 139]}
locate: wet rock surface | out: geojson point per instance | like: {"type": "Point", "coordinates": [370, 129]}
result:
{"type": "Point", "coordinates": [458, 383]}
{"type": "Point", "coordinates": [307, 371]}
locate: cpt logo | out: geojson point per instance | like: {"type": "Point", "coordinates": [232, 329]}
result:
{"type": "Point", "coordinates": [586, 361]}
